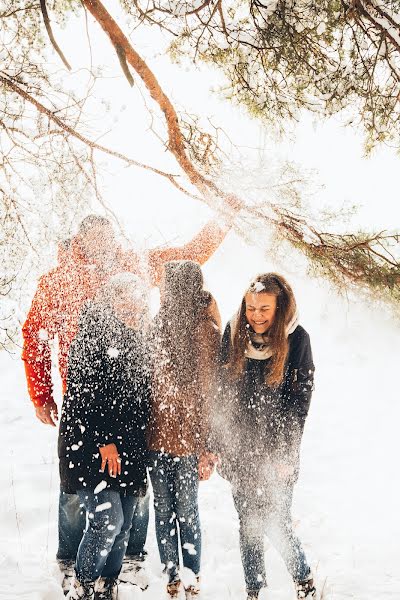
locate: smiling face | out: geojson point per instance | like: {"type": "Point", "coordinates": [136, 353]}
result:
{"type": "Point", "coordinates": [260, 310]}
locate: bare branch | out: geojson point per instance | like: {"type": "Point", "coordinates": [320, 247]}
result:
{"type": "Point", "coordinates": [49, 30]}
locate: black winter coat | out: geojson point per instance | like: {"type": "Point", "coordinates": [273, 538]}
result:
{"type": "Point", "coordinates": [106, 401]}
{"type": "Point", "coordinates": [260, 426]}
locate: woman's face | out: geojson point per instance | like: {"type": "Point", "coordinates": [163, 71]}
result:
{"type": "Point", "coordinates": [260, 310]}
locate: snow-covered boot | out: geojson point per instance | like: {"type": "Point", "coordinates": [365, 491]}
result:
{"type": "Point", "coordinates": [134, 572]}
{"type": "Point", "coordinates": [173, 588]}
{"type": "Point", "coordinates": [106, 589]}
{"type": "Point", "coordinates": [193, 590]}
{"type": "Point", "coordinates": [306, 588]}
{"type": "Point", "coordinates": [67, 568]}
{"type": "Point", "coordinates": [252, 594]}
{"type": "Point", "coordinates": [81, 591]}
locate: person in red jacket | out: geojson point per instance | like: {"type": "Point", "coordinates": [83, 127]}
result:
{"type": "Point", "coordinates": [85, 263]}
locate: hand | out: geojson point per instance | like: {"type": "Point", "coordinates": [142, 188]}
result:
{"type": "Point", "coordinates": [234, 202]}
{"type": "Point", "coordinates": [48, 413]}
{"type": "Point", "coordinates": [207, 463]}
{"type": "Point", "coordinates": [109, 454]}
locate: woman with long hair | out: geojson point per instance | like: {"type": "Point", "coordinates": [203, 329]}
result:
{"type": "Point", "coordinates": [268, 375]}
{"type": "Point", "coordinates": [185, 356]}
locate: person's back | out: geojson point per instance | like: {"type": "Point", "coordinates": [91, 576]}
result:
{"type": "Point", "coordinates": [185, 353]}
{"type": "Point", "coordinates": [180, 411]}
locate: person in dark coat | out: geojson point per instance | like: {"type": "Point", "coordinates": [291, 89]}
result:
{"type": "Point", "coordinates": [267, 382]}
{"type": "Point", "coordinates": [102, 439]}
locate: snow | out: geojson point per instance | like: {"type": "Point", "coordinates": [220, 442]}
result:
{"type": "Point", "coordinates": [113, 352]}
{"type": "Point", "coordinates": [346, 501]}
{"type": "Point", "coordinates": [258, 286]}
{"type": "Point", "coordinates": [100, 487]}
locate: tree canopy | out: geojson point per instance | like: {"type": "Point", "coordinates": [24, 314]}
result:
{"type": "Point", "coordinates": [277, 58]}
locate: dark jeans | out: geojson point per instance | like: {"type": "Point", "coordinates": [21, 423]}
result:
{"type": "Point", "coordinates": [140, 524]}
{"type": "Point", "coordinates": [267, 510]}
{"type": "Point", "coordinates": [175, 482]}
{"type": "Point", "coordinates": [72, 524]}
{"type": "Point", "coordinates": [105, 540]}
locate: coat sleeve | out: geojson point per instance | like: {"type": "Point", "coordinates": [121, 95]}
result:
{"type": "Point", "coordinates": [37, 332]}
{"type": "Point", "coordinates": [298, 391]}
{"type": "Point", "coordinates": [200, 249]}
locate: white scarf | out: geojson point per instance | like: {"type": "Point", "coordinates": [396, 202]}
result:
{"type": "Point", "coordinates": [262, 350]}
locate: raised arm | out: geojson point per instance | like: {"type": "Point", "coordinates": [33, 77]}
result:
{"type": "Point", "coordinates": [200, 249]}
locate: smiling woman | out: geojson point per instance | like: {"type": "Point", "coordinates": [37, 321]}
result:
{"type": "Point", "coordinates": [267, 381]}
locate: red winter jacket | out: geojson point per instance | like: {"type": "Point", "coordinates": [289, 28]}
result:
{"type": "Point", "coordinates": [62, 292]}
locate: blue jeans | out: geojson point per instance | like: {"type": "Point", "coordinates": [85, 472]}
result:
{"type": "Point", "coordinates": [268, 513]}
{"type": "Point", "coordinates": [138, 534]}
{"type": "Point", "coordinates": [72, 524]}
{"type": "Point", "coordinates": [105, 540]}
{"type": "Point", "coordinates": [175, 482]}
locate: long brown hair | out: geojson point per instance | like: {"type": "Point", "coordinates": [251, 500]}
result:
{"type": "Point", "coordinates": [275, 284]}
{"type": "Point", "coordinates": [184, 303]}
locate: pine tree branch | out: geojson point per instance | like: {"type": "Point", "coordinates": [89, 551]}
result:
{"type": "Point", "coordinates": [90, 143]}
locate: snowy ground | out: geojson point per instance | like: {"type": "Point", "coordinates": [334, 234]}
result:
{"type": "Point", "coordinates": [347, 499]}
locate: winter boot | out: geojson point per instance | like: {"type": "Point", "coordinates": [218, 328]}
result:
{"type": "Point", "coordinates": [66, 567]}
{"type": "Point", "coordinates": [81, 591]}
{"type": "Point", "coordinates": [106, 589]}
{"type": "Point", "coordinates": [134, 572]}
{"type": "Point", "coordinates": [252, 594]}
{"type": "Point", "coordinates": [193, 590]}
{"type": "Point", "coordinates": [173, 588]}
{"type": "Point", "coordinates": [306, 589]}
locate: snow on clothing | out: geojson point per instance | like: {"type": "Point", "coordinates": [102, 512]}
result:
{"type": "Point", "coordinates": [107, 401]}
{"type": "Point", "coordinates": [179, 422]}
{"type": "Point", "coordinates": [178, 435]}
{"type": "Point", "coordinates": [103, 545]}
{"type": "Point", "coordinates": [259, 429]}
{"type": "Point", "coordinates": [259, 426]}
{"type": "Point", "coordinates": [62, 292]}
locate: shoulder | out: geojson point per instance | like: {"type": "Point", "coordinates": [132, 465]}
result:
{"type": "Point", "coordinates": [300, 346]}
{"type": "Point", "coordinates": [49, 279]}
{"type": "Point", "coordinates": [298, 336]}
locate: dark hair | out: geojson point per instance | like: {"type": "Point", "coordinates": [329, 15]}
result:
{"type": "Point", "coordinates": [270, 283]}
{"type": "Point", "coordinates": [184, 304]}
{"type": "Point", "coordinates": [92, 221]}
